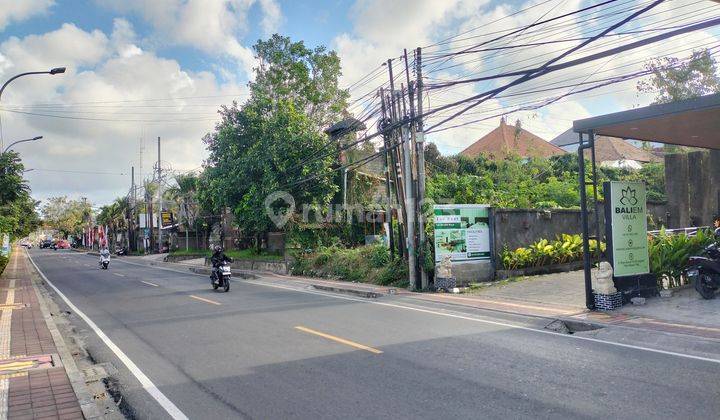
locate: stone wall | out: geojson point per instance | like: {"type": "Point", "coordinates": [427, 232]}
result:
{"type": "Point", "coordinates": [692, 184]}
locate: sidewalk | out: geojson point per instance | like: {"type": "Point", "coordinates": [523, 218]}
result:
{"type": "Point", "coordinates": [34, 382]}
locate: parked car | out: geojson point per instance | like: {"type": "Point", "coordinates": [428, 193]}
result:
{"type": "Point", "coordinates": [62, 244]}
{"type": "Point", "coordinates": [47, 243]}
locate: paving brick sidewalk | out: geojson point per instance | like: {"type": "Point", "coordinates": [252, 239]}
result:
{"type": "Point", "coordinates": [34, 383]}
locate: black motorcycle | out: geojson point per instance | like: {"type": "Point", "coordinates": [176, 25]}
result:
{"type": "Point", "coordinates": [220, 277]}
{"type": "Point", "coordinates": [704, 271]}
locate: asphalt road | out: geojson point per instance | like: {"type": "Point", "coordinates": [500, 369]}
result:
{"type": "Point", "coordinates": [267, 352]}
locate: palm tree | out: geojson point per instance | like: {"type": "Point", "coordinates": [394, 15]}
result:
{"type": "Point", "coordinates": [184, 194]}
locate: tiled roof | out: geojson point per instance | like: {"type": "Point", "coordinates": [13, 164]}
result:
{"type": "Point", "coordinates": [506, 140]}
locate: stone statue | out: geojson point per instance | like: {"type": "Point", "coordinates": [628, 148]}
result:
{"type": "Point", "coordinates": [444, 269]}
{"type": "Point", "coordinates": [603, 281]}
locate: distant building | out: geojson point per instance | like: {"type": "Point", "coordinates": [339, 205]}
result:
{"type": "Point", "coordinates": [507, 140]}
{"type": "Point", "coordinates": [618, 153]}
{"type": "Point", "coordinates": [568, 141]}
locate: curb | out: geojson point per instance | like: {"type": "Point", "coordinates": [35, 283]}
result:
{"type": "Point", "coordinates": [77, 380]}
{"type": "Point", "coordinates": [355, 292]}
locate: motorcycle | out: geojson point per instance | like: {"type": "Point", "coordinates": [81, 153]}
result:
{"type": "Point", "coordinates": [121, 251]}
{"type": "Point", "coordinates": [220, 277]}
{"type": "Point", "coordinates": [704, 271]}
{"type": "Point", "coordinates": [104, 261]}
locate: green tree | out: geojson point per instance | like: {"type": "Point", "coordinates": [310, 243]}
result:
{"type": "Point", "coordinates": [675, 80]}
{"type": "Point", "coordinates": [275, 139]}
{"type": "Point", "coordinates": [17, 209]}
{"type": "Point", "coordinates": [309, 78]}
{"type": "Point", "coordinates": [12, 184]}
{"type": "Point", "coordinates": [66, 215]}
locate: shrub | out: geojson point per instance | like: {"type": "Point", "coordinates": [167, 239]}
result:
{"type": "Point", "coordinates": [564, 249]}
{"type": "Point", "coordinates": [367, 264]}
{"type": "Point", "coordinates": [669, 255]}
{"type": "Point", "coordinates": [3, 263]}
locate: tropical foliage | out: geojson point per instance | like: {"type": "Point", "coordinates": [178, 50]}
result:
{"type": "Point", "coordinates": [669, 255]}
{"type": "Point", "coordinates": [275, 139]}
{"type": "Point", "coordinates": [564, 249]}
{"type": "Point", "coordinates": [17, 208]}
{"type": "Point", "coordinates": [66, 215]}
{"type": "Point", "coordinates": [521, 183]}
{"type": "Point", "coordinates": [368, 264]}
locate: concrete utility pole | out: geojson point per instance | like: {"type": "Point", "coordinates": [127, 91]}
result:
{"type": "Point", "coordinates": [410, 204]}
{"type": "Point", "coordinates": [397, 166]}
{"type": "Point", "coordinates": [420, 160]}
{"type": "Point", "coordinates": [386, 144]}
{"type": "Point", "coordinates": [131, 225]}
{"type": "Point", "coordinates": [159, 210]}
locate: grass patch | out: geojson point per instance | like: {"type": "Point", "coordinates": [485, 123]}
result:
{"type": "Point", "coordinates": [239, 254]}
{"type": "Point", "coordinates": [365, 264]}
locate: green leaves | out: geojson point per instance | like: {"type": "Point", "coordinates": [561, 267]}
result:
{"type": "Point", "coordinates": [675, 80]}
{"type": "Point", "coordinates": [669, 255]}
{"type": "Point", "coordinates": [564, 249]}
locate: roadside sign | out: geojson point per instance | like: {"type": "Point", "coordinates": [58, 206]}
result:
{"type": "Point", "coordinates": [628, 227]}
{"type": "Point", "coordinates": [167, 218]}
{"type": "Point", "coordinates": [462, 231]}
{"type": "Point", "coordinates": [5, 250]}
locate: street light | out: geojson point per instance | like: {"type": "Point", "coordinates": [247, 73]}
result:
{"type": "Point", "coordinates": [53, 71]}
{"type": "Point", "coordinates": [21, 141]}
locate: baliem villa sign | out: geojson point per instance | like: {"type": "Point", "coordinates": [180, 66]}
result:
{"type": "Point", "coordinates": [628, 228]}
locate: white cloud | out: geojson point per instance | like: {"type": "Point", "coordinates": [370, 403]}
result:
{"type": "Point", "coordinates": [212, 26]}
{"type": "Point", "coordinates": [125, 93]}
{"type": "Point", "coordinates": [19, 10]}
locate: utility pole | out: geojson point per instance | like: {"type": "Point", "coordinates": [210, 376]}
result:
{"type": "Point", "coordinates": [131, 223]}
{"type": "Point", "coordinates": [386, 144]}
{"type": "Point", "coordinates": [159, 211]}
{"type": "Point", "coordinates": [410, 206]}
{"type": "Point", "coordinates": [397, 157]}
{"type": "Point", "coordinates": [420, 160]}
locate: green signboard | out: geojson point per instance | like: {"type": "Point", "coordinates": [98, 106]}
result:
{"type": "Point", "coordinates": [5, 244]}
{"type": "Point", "coordinates": [462, 231]}
{"type": "Point", "coordinates": [628, 221]}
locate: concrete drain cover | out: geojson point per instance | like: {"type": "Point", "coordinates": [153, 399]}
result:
{"type": "Point", "coordinates": [95, 373]}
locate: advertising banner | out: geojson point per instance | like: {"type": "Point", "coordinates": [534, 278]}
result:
{"type": "Point", "coordinates": [167, 219]}
{"type": "Point", "coordinates": [628, 221]}
{"type": "Point", "coordinates": [462, 231]}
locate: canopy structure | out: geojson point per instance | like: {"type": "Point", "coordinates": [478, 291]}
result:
{"type": "Point", "coordinates": [692, 123]}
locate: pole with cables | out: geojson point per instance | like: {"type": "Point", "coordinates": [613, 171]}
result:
{"type": "Point", "coordinates": [159, 210]}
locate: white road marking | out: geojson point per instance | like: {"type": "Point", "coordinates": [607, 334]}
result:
{"type": "Point", "coordinates": [463, 317]}
{"type": "Point", "coordinates": [149, 284]}
{"type": "Point", "coordinates": [118, 274]}
{"type": "Point", "coordinates": [146, 383]}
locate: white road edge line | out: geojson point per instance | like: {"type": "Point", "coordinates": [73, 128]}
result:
{"type": "Point", "coordinates": [119, 275]}
{"type": "Point", "coordinates": [146, 383]}
{"type": "Point", "coordinates": [458, 316]}
{"type": "Point", "coordinates": [149, 284]}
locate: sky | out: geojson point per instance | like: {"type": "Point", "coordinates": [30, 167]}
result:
{"type": "Point", "coordinates": [142, 69]}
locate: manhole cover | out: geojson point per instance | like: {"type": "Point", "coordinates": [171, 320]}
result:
{"type": "Point", "coordinates": [94, 373]}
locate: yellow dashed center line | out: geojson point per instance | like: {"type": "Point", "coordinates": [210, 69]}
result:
{"type": "Point", "coordinates": [212, 302]}
{"type": "Point", "coordinates": [339, 340]}
{"type": "Point", "coordinates": [149, 284]}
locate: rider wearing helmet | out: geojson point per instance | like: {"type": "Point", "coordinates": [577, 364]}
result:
{"type": "Point", "coordinates": [218, 258]}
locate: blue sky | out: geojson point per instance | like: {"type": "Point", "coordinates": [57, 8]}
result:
{"type": "Point", "coordinates": [139, 69]}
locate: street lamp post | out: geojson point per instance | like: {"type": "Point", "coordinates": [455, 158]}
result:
{"type": "Point", "coordinates": [56, 70]}
{"type": "Point", "coordinates": [53, 71]}
{"type": "Point", "coordinates": [21, 141]}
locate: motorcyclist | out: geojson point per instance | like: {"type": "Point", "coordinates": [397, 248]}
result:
{"type": "Point", "coordinates": [104, 254]}
{"type": "Point", "coordinates": [217, 259]}
{"type": "Point", "coordinates": [716, 223]}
